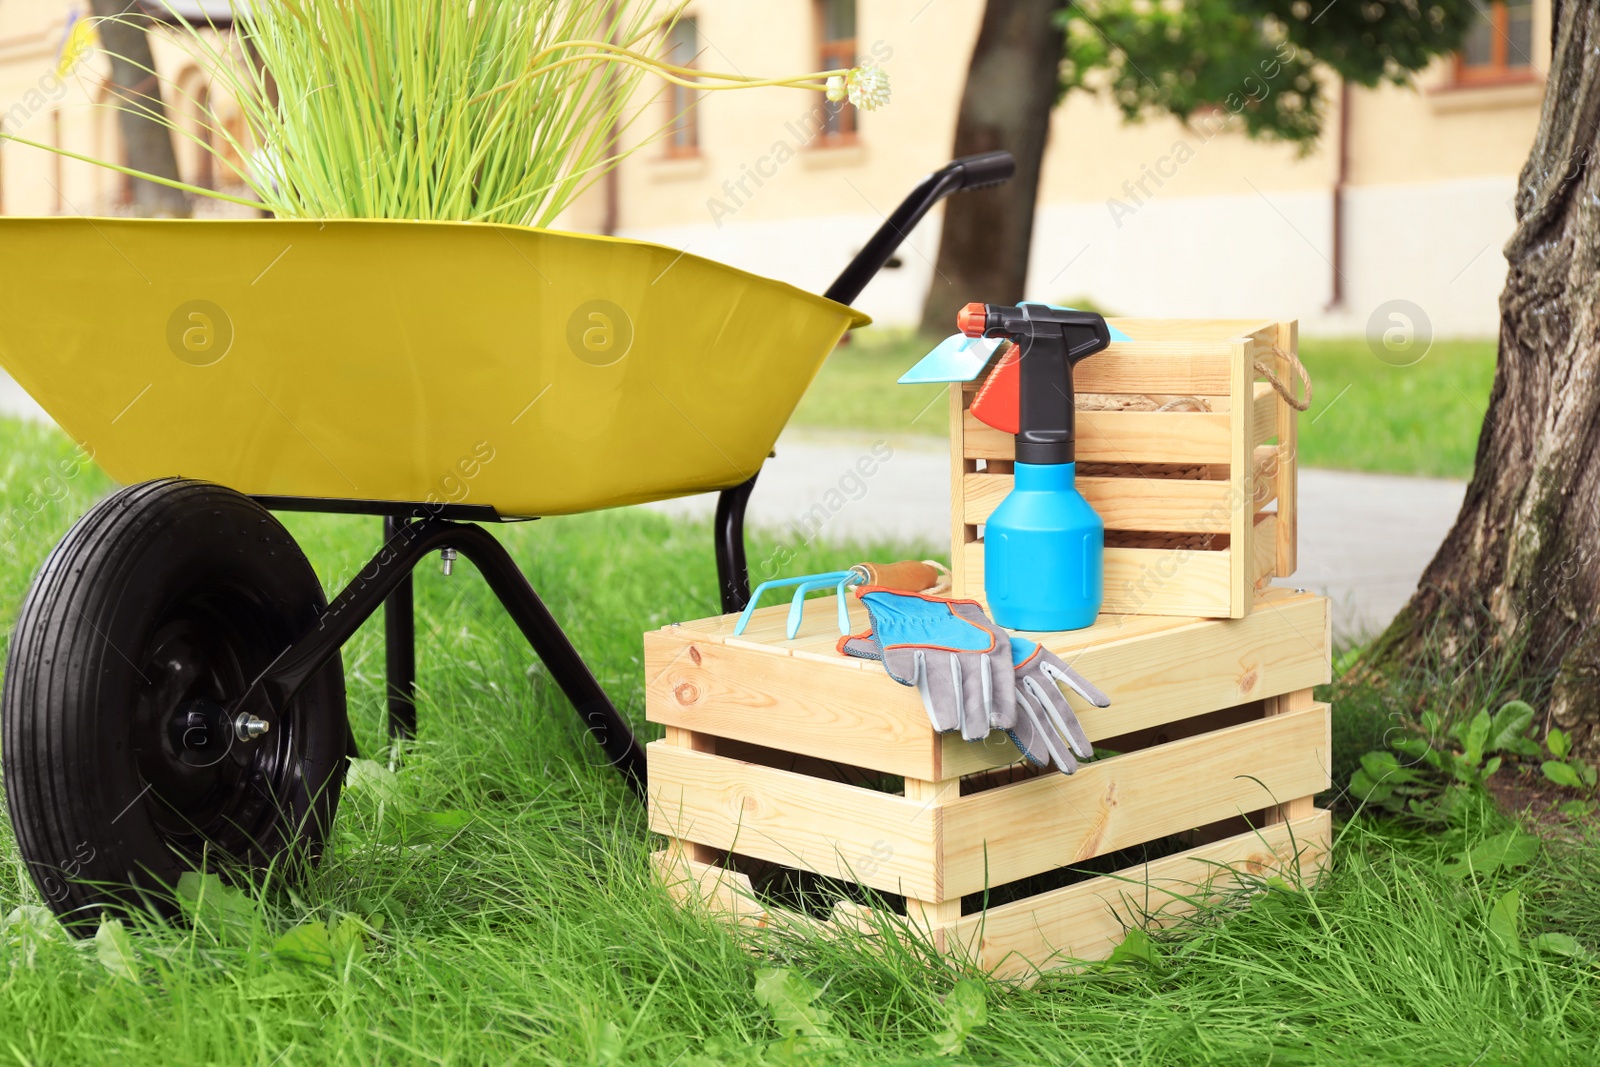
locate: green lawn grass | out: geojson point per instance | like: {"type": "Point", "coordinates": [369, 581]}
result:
{"type": "Point", "coordinates": [1367, 415]}
{"type": "Point", "coordinates": [532, 933]}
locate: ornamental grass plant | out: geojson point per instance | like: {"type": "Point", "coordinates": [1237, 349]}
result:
{"type": "Point", "coordinates": [469, 110]}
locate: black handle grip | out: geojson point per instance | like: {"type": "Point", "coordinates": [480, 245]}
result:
{"type": "Point", "coordinates": [986, 169]}
{"type": "Point", "coordinates": [957, 176]}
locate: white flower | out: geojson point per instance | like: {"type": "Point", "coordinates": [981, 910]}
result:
{"type": "Point", "coordinates": [868, 88]}
{"type": "Point", "coordinates": [836, 90]}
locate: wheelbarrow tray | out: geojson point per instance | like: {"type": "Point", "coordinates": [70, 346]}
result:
{"type": "Point", "coordinates": [528, 371]}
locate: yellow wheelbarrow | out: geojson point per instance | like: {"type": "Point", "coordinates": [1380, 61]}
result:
{"type": "Point", "coordinates": [174, 694]}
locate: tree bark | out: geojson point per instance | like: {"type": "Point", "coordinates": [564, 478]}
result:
{"type": "Point", "coordinates": [146, 141]}
{"type": "Point", "coordinates": [1012, 83]}
{"type": "Point", "coordinates": [1518, 577]}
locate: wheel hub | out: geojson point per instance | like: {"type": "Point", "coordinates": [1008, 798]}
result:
{"type": "Point", "coordinates": [202, 731]}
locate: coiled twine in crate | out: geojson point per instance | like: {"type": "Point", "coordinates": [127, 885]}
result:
{"type": "Point", "coordinates": [1188, 471]}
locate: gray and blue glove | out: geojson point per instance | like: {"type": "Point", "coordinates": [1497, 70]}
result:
{"type": "Point", "coordinates": [973, 676]}
{"type": "Point", "coordinates": [959, 661]}
{"type": "Point", "coordinates": [1046, 731]}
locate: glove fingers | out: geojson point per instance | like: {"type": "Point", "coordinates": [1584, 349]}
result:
{"type": "Point", "coordinates": [975, 682]}
{"type": "Point", "coordinates": [1030, 703]}
{"type": "Point", "coordinates": [1003, 706]}
{"type": "Point", "coordinates": [940, 699]}
{"type": "Point", "coordinates": [1028, 738]}
{"type": "Point", "coordinates": [1060, 716]}
{"type": "Point", "coordinates": [1076, 682]}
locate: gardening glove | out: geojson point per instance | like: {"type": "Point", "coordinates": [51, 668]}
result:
{"type": "Point", "coordinates": [959, 661]}
{"type": "Point", "coordinates": [1046, 731]}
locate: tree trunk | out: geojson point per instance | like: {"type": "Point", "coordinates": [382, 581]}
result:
{"type": "Point", "coordinates": [1011, 88]}
{"type": "Point", "coordinates": [147, 143]}
{"type": "Point", "coordinates": [1518, 577]}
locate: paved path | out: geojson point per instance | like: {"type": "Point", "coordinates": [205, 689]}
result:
{"type": "Point", "coordinates": [1364, 538]}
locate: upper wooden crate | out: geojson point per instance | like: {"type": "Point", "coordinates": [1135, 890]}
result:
{"type": "Point", "coordinates": [1185, 453]}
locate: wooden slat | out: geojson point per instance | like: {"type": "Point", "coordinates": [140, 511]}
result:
{"type": "Point", "coordinates": [729, 896]}
{"type": "Point", "coordinates": [1265, 406]}
{"type": "Point", "coordinates": [1087, 920]}
{"type": "Point", "coordinates": [876, 839]}
{"type": "Point", "coordinates": [1295, 807]}
{"type": "Point", "coordinates": [960, 466]}
{"type": "Point", "coordinates": [832, 710]}
{"type": "Point", "coordinates": [1180, 368]}
{"type": "Point", "coordinates": [1081, 922]}
{"type": "Point", "coordinates": [677, 737]}
{"type": "Point", "coordinates": [1241, 586]}
{"type": "Point", "coordinates": [1264, 475]}
{"type": "Point", "coordinates": [1155, 669]}
{"type": "Point", "coordinates": [726, 893]}
{"type": "Point", "coordinates": [992, 838]}
{"type": "Point", "coordinates": [1288, 341]}
{"type": "Point", "coordinates": [1265, 540]}
{"type": "Point", "coordinates": [1132, 503]}
{"type": "Point", "coordinates": [1122, 437]}
{"type": "Point", "coordinates": [1157, 581]}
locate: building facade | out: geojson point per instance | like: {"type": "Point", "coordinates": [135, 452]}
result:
{"type": "Point", "coordinates": [1406, 197]}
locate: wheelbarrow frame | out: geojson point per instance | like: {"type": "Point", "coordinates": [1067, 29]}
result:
{"type": "Point", "coordinates": [413, 531]}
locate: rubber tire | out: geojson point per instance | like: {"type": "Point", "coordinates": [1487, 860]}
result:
{"type": "Point", "coordinates": [153, 560]}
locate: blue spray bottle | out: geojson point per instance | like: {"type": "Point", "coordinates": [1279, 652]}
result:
{"type": "Point", "coordinates": [1044, 545]}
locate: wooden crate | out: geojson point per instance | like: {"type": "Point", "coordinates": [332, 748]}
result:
{"type": "Point", "coordinates": [1184, 492]}
{"type": "Point", "coordinates": [785, 752]}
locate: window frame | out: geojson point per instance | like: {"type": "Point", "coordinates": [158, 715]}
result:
{"type": "Point", "coordinates": [683, 108]}
{"type": "Point", "coordinates": [1498, 71]}
{"type": "Point", "coordinates": [833, 54]}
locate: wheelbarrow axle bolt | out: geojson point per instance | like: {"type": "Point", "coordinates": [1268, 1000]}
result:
{"type": "Point", "coordinates": [202, 726]}
{"type": "Point", "coordinates": [247, 727]}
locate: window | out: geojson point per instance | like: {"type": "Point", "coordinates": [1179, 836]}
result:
{"type": "Point", "coordinates": [683, 129]}
{"type": "Point", "coordinates": [1499, 47]}
{"type": "Point", "coordinates": [837, 21]}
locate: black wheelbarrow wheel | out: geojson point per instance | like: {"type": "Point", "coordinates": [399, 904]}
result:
{"type": "Point", "coordinates": [124, 767]}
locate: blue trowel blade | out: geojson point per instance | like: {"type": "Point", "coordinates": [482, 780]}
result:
{"type": "Point", "coordinates": [958, 358]}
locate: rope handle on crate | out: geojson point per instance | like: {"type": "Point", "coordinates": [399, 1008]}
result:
{"type": "Point", "coordinates": [1277, 384]}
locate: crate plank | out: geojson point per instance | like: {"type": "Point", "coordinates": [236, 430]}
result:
{"type": "Point", "coordinates": [1166, 504]}
{"type": "Point", "coordinates": [1264, 413]}
{"type": "Point", "coordinates": [829, 709]}
{"type": "Point", "coordinates": [1288, 493]}
{"type": "Point", "coordinates": [1178, 368]}
{"type": "Point", "coordinates": [1081, 922]}
{"type": "Point", "coordinates": [1241, 579]}
{"type": "Point", "coordinates": [1265, 541]}
{"type": "Point", "coordinates": [1087, 920]}
{"type": "Point", "coordinates": [1134, 502]}
{"type": "Point", "coordinates": [1155, 668]}
{"type": "Point", "coordinates": [960, 467]}
{"type": "Point", "coordinates": [1121, 437]}
{"type": "Point", "coordinates": [1165, 581]}
{"type": "Point", "coordinates": [877, 839]}
{"type": "Point", "coordinates": [1034, 826]}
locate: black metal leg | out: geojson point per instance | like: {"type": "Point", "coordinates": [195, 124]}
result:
{"type": "Point", "coordinates": [733, 572]}
{"type": "Point", "coordinates": [273, 690]}
{"type": "Point", "coordinates": [400, 649]}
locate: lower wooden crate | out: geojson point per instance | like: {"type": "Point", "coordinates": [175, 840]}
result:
{"type": "Point", "coordinates": [1058, 928]}
{"type": "Point", "coordinates": [782, 753]}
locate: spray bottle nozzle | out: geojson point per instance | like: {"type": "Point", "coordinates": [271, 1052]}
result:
{"type": "Point", "coordinates": [1049, 340]}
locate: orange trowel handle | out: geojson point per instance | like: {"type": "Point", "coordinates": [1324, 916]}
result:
{"type": "Point", "coordinates": [907, 576]}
